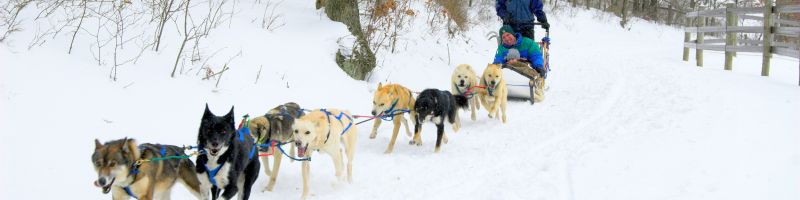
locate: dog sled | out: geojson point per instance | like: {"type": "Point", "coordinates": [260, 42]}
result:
{"type": "Point", "coordinates": [523, 84]}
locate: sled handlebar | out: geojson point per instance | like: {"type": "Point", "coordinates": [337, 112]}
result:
{"type": "Point", "coordinates": [547, 31]}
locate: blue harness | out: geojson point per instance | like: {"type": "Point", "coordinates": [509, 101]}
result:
{"type": "Point", "coordinates": [135, 170]}
{"type": "Point", "coordinates": [213, 172]}
{"type": "Point", "coordinates": [280, 147]}
{"type": "Point", "coordinates": [339, 117]}
{"type": "Point", "coordinates": [389, 114]}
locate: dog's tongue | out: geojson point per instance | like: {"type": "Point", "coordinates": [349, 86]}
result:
{"type": "Point", "coordinates": [301, 152]}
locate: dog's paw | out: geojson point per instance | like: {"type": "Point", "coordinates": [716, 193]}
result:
{"type": "Point", "coordinates": [267, 189]}
{"type": "Point", "coordinates": [373, 135]}
{"type": "Point", "coordinates": [388, 151]}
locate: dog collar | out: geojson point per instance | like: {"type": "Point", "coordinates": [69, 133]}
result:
{"type": "Point", "coordinates": [489, 88]}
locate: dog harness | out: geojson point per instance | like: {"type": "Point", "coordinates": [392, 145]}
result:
{"type": "Point", "coordinates": [339, 117]}
{"type": "Point", "coordinates": [489, 89]}
{"type": "Point", "coordinates": [388, 115]}
{"type": "Point", "coordinates": [212, 173]}
{"type": "Point", "coordinates": [467, 93]}
{"type": "Point", "coordinates": [135, 169]}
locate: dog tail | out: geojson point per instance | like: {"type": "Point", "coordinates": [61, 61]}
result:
{"type": "Point", "coordinates": [461, 101]}
{"type": "Point", "coordinates": [188, 177]}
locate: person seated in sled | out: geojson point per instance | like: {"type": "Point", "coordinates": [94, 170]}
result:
{"type": "Point", "coordinates": [517, 51]}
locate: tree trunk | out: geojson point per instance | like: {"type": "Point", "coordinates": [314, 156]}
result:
{"type": "Point", "coordinates": [624, 14]}
{"type": "Point", "coordinates": [362, 61]}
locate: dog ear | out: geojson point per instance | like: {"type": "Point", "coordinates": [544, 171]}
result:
{"type": "Point", "coordinates": [207, 113]}
{"type": "Point", "coordinates": [318, 123]}
{"type": "Point", "coordinates": [229, 117]}
{"type": "Point", "coordinates": [97, 144]}
{"type": "Point", "coordinates": [130, 146]}
{"type": "Point", "coordinates": [380, 85]}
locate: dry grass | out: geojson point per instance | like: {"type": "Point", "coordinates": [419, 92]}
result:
{"type": "Point", "coordinates": [455, 10]}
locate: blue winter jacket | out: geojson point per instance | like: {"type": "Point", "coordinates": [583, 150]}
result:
{"type": "Point", "coordinates": [520, 12]}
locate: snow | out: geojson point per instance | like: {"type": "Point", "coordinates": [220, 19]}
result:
{"type": "Point", "coordinates": [624, 118]}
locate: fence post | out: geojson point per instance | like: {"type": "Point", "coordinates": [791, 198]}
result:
{"type": "Point", "coordinates": [767, 38]}
{"type": "Point", "coordinates": [686, 38]}
{"type": "Point", "coordinates": [699, 54]}
{"type": "Point", "coordinates": [730, 37]}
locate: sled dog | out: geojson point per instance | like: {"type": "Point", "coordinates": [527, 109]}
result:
{"type": "Point", "coordinates": [392, 99]}
{"type": "Point", "coordinates": [437, 106]}
{"type": "Point", "coordinates": [120, 170]}
{"type": "Point", "coordinates": [326, 131]}
{"type": "Point", "coordinates": [495, 96]}
{"type": "Point", "coordinates": [228, 164]}
{"type": "Point", "coordinates": [463, 80]}
{"type": "Point", "coordinates": [275, 126]}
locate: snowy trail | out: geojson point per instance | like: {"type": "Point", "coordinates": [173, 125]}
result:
{"type": "Point", "coordinates": [624, 118]}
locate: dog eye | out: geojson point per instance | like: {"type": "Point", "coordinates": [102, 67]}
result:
{"type": "Point", "coordinates": [308, 132]}
{"type": "Point", "coordinates": [295, 131]}
{"type": "Point", "coordinates": [382, 104]}
{"type": "Point", "coordinates": [459, 76]}
{"type": "Point", "coordinates": [112, 163]}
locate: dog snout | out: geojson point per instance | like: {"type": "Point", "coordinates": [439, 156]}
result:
{"type": "Point", "coordinates": [214, 144]}
{"type": "Point", "coordinates": [493, 82]}
{"type": "Point", "coordinates": [103, 181]}
{"type": "Point", "coordinates": [374, 113]}
{"type": "Point", "coordinates": [462, 82]}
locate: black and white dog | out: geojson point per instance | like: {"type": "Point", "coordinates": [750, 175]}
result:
{"type": "Point", "coordinates": [437, 105]}
{"type": "Point", "coordinates": [229, 162]}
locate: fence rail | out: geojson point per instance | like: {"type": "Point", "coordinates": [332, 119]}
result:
{"type": "Point", "coordinates": [771, 26]}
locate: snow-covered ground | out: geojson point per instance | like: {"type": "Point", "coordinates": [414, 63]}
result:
{"type": "Point", "coordinates": [624, 117]}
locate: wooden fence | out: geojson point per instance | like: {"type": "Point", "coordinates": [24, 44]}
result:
{"type": "Point", "coordinates": [770, 27]}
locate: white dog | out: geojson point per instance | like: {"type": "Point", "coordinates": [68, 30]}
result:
{"type": "Point", "coordinates": [326, 131]}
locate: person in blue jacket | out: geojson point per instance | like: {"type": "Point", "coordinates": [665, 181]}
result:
{"type": "Point", "coordinates": [519, 14]}
{"type": "Point", "coordinates": [516, 48]}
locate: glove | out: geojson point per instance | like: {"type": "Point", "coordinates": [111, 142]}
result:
{"type": "Point", "coordinates": [546, 26]}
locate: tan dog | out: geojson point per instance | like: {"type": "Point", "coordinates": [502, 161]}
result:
{"type": "Point", "coordinates": [495, 96]}
{"type": "Point", "coordinates": [463, 80]}
{"type": "Point", "coordinates": [326, 131]}
{"type": "Point", "coordinates": [276, 125]}
{"type": "Point", "coordinates": [118, 171]}
{"type": "Point", "coordinates": [387, 100]}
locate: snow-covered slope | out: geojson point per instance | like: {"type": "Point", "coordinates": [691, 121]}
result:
{"type": "Point", "coordinates": [624, 117]}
